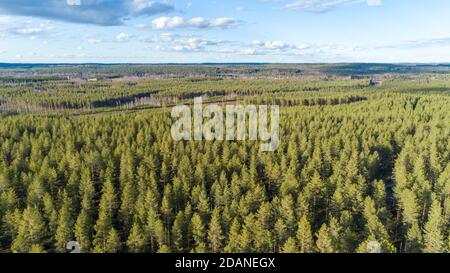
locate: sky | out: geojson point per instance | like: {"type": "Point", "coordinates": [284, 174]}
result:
{"type": "Point", "coordinates": [199, 31]}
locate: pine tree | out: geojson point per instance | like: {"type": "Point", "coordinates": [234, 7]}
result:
{"type": "Point", "coordinates": [37, 249]}
{"type": "Point", "coordinates": [160, 233]}
{"type": "Point", "coordinates": [50, 214]}
{"type": "Point", "coordinates": [281, 234]}
{"type": "Point", "coordinates": [104, 222]}
{"type": "Point", "coordinates": [64, 232]}
{"type": "Point", "coordinates": [11, 222]}
{"type": "Point", "coordinates": [443, 184]}
{"type": "Point", "coordinates": [233, 237]}
{"type": "Point", "coordinates": [155, 230]}
{"type": "Point", "coordinates": [84, 222]}
{"type": "Point", "coordinates": [203, 204]}
{"type": "Point", "coordinates": [335, 234]}
{"type": "Point", "coordinates": [304, 235]}
{"type": "Point", "coordinates": [263, 229]}
{"type": "Point", "coordinates": [246, 237]}
{"type": "Point", "coordinates": [263, 238]}
{"type": "Point", "coordinates": [113, 242]}
{"type": "Point", "coordinates": [287, 214]}
{"type": "Point", "coordinates": [324, 242]}
{"type": "Point", "coordinates": [136, 240]}
{"type": "Point", "coordinates": [374, 227]}
{"type": "Point", "coordinates": [410, 207]}
{"type": "Point", "coordinates": [83, 230]}
{"type": "Point", "coordinates": [127, 205]}
{"type": "Point", "coordinates": [434, 238]}
{"type": "Point", "coordinates": [414, 239]}
{"type": "Point", "coordinates": [86, 190]}
{"type": "Point", "coordinates": [290, 183]}
{"type": "Point", "coordinates": [36, 192]}
{"type": "Point", "coordinates": [198, 233]}
{"type": "Point", "coordinates": [31, 232]}
{"type": "Point", "coordinates": [290, 246]}
{"type": "Point", "coordinates": [179, 232]}
{"type": "Point", "coordinates": [215, 235]}
{"type": "Point", "coordinates": [164, 249]}
{"type": "Point", "coordinates": [167, 206]}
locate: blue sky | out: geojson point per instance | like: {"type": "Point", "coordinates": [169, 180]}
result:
{"type": "Point", "coordinates": [144, 31]}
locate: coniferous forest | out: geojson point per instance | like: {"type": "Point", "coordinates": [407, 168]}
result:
{"type": "Point", "coordinates": [86, 155]}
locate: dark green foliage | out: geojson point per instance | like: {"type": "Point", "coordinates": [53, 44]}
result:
{"type": "Point", "coordinates": [356, 164]}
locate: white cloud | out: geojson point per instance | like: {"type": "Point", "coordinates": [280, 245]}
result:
{"type": "Point", "coordinates": [122, 37]}
{"type": "Point", "coordinates": [5, 20]}
{"type": "Point", "coordinates": [73, 2]}
{"type": "Point", "coordinates": [168, 22]}
{"type": "Point", "coordinates": [304, 50]}
{"type": "Point", "coordinates": [272, 45]}
{"type": "Point", "coordinates": [138, 5]}
{"type": "Point", "coordinates": [184, 43]}
{"type": "Point", "coordinates": [257, 43]}
{"type": "Point", "coordinates": [374, 2]}
{"type": "Point", "coordinates": [23, 27]}
{"type": "Point", "coordinates": [31, 30]}
{"type": "Point", "coordinates": [302, 46]}
{"type": "Point", "coordinates": [242, 9]}
{"type": "Point", "coordinates": [249, 52]}
{"type": "Point", "coordinates": [197, 22]}
{"type": "Point", "coordinates": [223, 22]}
{"type": "Point", "coordinates": [94, 41]}
{"type": "Point", "coordinates": [326, 5]}
{"type": "Point", "coordinates": [419, 43]}
{"type": "Point", "coordinates": [140, 26]}
{"type": "Point", "coordinates": [275, 45]}
{"type": "Point", "coordinates": [100, 12]}
{"type": "Point", "coordinates": [192, 44]}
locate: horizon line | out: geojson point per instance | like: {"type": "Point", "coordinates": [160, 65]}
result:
{"type": "Point", "coordinates": [219, 63]}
